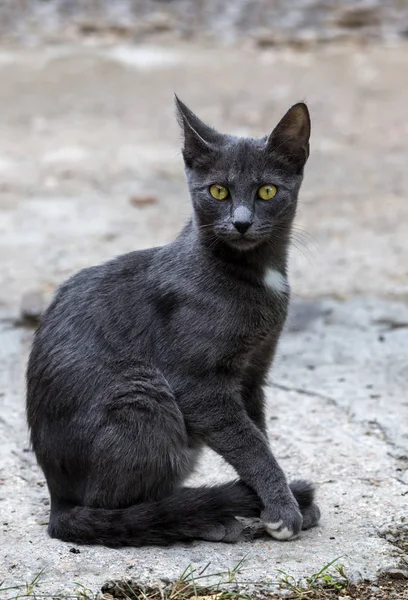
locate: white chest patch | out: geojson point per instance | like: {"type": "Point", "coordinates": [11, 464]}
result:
{"type": "Point", "coordinates": [276, 282]}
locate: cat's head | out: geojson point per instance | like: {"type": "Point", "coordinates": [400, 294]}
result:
{"type": "Point", "coordinates": [244, 190]}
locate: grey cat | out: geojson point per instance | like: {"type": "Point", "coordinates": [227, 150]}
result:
{"type": "Point", "coordinates": [141, 361]}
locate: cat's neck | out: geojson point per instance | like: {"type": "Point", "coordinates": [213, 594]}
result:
{"type": "Point", "coordinates": [266, 256]}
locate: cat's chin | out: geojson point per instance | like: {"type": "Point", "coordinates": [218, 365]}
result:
{"type": "Point", "coordinates": [242, 243]}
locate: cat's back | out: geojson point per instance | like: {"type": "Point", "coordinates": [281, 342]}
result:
{"type": "Point", "coordinates": [91, 312]}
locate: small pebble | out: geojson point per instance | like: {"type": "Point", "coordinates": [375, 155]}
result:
{"type": "Point", "coordinates": [32, 307]}
{"type": "Point", "coordinates": [398, 573]}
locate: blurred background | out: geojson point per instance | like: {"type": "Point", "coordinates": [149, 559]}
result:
{"type": "Point", "coordinates": [90, 161]}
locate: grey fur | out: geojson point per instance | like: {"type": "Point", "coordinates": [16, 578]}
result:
{"type": "Point", "coordinates": [141, 361]}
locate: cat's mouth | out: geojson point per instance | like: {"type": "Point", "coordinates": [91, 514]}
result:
{"type": "Point", "coordinates": [240, 241]}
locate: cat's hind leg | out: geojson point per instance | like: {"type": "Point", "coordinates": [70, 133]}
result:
{"type": "Point", "coordinates": [122, 442]}
{"type": "Point", "coordinates": [127, 490]}
{"type": "Point", "coordinates": [141, 451]}
{"type": "Point", "coordinates": [118, 479]}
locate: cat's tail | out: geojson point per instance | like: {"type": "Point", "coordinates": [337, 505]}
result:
{"type": "Point", "coordinates": [304, 493]}
{"type": "Point", "coordinates": [190, 513]}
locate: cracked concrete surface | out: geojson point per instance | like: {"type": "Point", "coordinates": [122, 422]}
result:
{"type": "Point", "coordinates": [84, 130]}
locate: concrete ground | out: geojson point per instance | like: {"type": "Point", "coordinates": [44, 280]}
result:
{"type": "Point", "coordinates": [90, 167]}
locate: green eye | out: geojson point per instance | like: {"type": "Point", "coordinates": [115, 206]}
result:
{"type": "Point", "coordinates": [219, 192]}
{"type": "Point", "coordinates": [267, 192]}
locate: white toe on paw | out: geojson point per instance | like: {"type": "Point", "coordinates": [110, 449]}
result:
{"type": "Point", "coordinates": [273, 526]}
{"type": "Point", "coordinates": [281, 534]}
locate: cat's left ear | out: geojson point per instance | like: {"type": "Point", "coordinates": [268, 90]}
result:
{"type": "Point", "coordinates": [290, 138]}
{"type": "Point", "coordinates": [200, 140]}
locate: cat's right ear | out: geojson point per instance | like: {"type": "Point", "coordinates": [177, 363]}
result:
{"type": "Point", "coordinates": [200, 140]}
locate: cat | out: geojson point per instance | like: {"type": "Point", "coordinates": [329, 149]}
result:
{"type": "Point", "coordinates": [140, 362]}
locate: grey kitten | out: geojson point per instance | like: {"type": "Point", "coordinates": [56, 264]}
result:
{"type": "Point", "coordinates": [140, 362]}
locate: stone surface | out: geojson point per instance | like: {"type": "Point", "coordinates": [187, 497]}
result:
{"type": "Point", "coordinates": [83, 131]}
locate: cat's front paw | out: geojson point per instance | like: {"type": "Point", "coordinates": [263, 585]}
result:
{"type": "Point", "coordinates": [283, 520]}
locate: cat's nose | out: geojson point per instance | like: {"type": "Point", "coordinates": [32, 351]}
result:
{"type": "Point", "coordinates": [242, 219]}
{"type": "Point", "coordinates": [242, 226]}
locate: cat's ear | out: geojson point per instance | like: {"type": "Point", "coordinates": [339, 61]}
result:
{"type": "Point", "coordinates": [290, 138]}
{"type": "Point", "coordinates": [200, 140]}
